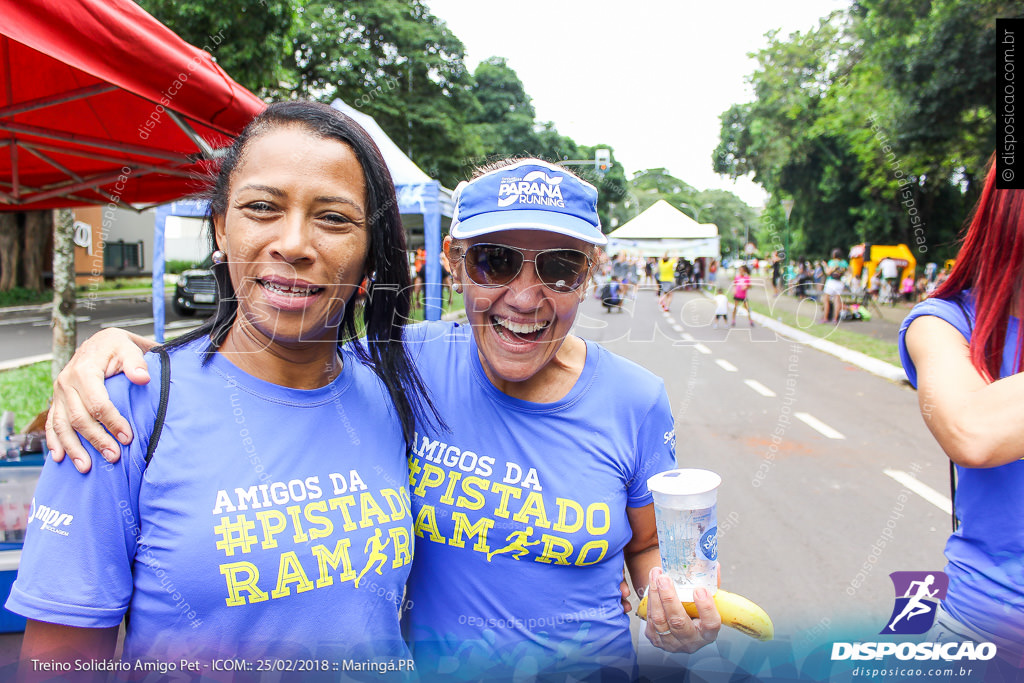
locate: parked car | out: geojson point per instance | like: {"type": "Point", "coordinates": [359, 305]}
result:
{"type": "Point", "coordinates": [196, 290]}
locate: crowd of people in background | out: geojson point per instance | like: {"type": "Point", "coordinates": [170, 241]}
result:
{"type": "Point", "coordinates": [889, 282]}
{"type": "Point", "coordinates": [843, 289]}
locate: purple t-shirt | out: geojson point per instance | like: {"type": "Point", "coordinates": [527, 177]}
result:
{"type": "Point", "coordinates": [986, 553]}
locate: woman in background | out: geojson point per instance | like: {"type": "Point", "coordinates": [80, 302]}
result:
{"type": "Point", "coordinates": [962, 348]}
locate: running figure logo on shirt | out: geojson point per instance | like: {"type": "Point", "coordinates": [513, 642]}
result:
{"type": "Point", "coordinates": [917, 598]}
{"type": "Point", "coordinates": [517, 544]}
{"type": "Point", "coordinates": [374, 552]}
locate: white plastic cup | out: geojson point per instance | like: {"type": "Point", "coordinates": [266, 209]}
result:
{"type": "Point", "coordinates": [685, 507]}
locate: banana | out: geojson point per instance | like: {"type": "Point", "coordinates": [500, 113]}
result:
{"type": "Point", "coordinates": [736, 611]}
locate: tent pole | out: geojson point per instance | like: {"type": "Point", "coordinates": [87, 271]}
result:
{"type": "Point", "coordinates": [432, 238]}
{"type": "Point", "coordinates": [132, 163]}
{"type": "Point", "coordinates": [162, 212]}
{"type": "Point", "coordinates": [63, 98]}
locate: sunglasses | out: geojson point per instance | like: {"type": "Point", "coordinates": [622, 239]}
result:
{"type": "Point", "coordinates": [496, 265]}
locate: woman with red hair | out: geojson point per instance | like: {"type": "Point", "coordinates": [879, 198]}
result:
{"type": "Point", "coordinates": [962, 348]}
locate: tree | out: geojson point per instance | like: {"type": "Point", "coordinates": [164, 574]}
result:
{"type": "Point", "coordinates": [250, 40]}
{"type": "Point", "coordinates": [504, 120]}
{"type": "Point", "coordinates": [65, 332]}
{"type": "Point", "coordinates": [398, 63]}
{"type": "Point", "coordinates": [38, 227]}
{"type": "Point", "coordinates": [877, 122]}
{"type": "Point", "coordinates": [9, 249]}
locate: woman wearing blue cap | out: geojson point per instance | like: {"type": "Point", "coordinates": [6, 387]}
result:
{"type": "Point", "coordinates": [529, 503]}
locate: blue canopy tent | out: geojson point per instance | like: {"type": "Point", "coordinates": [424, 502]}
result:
{"type": "Point", "coordinates": [192, 208]}
{"type": "Point", "coordinates": [420, 198]}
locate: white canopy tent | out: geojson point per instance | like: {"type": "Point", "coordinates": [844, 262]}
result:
{"type": "Point", "coordinates": [665, 229]}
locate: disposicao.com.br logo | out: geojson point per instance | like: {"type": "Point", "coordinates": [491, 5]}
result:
{"type": "Point", "coordinates": [947, 652]}
{"type": "Point", "coordinates": [916, 605]}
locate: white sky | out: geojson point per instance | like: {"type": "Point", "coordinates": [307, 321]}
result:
{"type": "Point", "coordinates": [648, 77]}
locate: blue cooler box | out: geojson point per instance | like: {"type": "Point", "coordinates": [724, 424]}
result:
{"type": "Point", "coordinates": [17, 484]}
{"type": "Point", "coordinates": [10, 554]}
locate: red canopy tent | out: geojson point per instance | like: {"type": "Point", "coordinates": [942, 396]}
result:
{"type": "Point", "coordinates": [100, 102]}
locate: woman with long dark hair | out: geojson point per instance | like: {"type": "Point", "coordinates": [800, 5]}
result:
{"type": "Point", "coordinates": [265, 451]}
{"type": "Point", "coordinates": [962, 348]}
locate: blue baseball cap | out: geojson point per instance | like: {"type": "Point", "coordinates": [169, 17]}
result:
{"type": "Point", "coordinates": [528, 195]}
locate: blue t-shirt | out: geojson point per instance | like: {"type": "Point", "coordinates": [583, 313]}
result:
{"type": "Point", "coordinates": [521, 513]}
{"type": "Point", "coordinates": [270, 522]}
{"type": "Point", "coordinates": [986, 553]}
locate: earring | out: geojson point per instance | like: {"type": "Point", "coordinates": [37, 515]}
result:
{"type": "Point", "coordinates": [457, 288]}
{"type": "Point", "coordinates": [219, 257]}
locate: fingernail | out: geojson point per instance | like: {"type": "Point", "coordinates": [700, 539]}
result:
{"type": "Point", "coordinates": [664, 582]}
{"type": "Point", "coordinates": [701, 593]}
{"type": "Point", "coordinates": [79, 465]}
{"type": "Point", "coordinates": [124, 438]}
{"type": "Point", "coordinates": [50, 453]}
{"type": "Point", "coordinates": [109, 454]}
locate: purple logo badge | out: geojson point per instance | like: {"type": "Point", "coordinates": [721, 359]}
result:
{"type": "Point", "coordinates": [917, 598]}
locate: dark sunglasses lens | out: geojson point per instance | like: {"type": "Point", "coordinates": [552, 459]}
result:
{"type": "Point", "coordinates": [491, 265]}
{"type": "Point", "coordinates": [563, 270]}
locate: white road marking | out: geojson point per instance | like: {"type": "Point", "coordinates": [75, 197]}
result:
{"type": "Point", "coordinates": [759, 388]}
{"type": "Point", "coordinates": [130, 322]}
{"type": "Point", "coordinates": [27, 360]}
{"type": "Point", "coordinates": [703, 349]}
{"type": "Point", "coordinates": [928, 493]}
{"type": "Point", "coordinates": [726, 365]}
{"type": "Point", "coordinates": [677, 327]}
{"type": "Point", "coordinates": [687, 336]}
{"type": "Point", "coordinates": [22, 321]}
{"type": "Point", "coordinates": [46, 323]}
{"type": "Point", "coordinates": [818, 426]}
{"type": "Point", "coordinates": [182, 324]}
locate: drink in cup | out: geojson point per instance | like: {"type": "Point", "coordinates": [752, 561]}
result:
{"type": "Point", "coordinates": [685, 509]}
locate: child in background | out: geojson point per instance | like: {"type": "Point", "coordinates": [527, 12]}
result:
{"type": "Point", "coordinates": [611, 294]}
{"type": "Point", "coordinates": [721, 307]}
{"type": "Point", "coordinates": [907, 288]}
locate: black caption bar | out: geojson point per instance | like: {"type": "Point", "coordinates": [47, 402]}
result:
{"type": "Point", "coordinates": [1009, 132]}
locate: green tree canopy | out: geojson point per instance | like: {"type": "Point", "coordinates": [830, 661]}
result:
{"type": "Point", "coordinates": [878, 123]}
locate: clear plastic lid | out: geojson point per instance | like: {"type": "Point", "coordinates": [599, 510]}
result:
{"type": "Point", "coordinates": [685, 488]}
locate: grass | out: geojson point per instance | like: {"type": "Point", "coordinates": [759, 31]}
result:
{"type": "Point", "coordinates": [19, 296]}
{"type": "Point", "coordinates": [455, 305]}
{"type": "Point", "coordinates": [26, 391]}
{"type": "Point", "coordinates": [119, 283]}
{"type": "Point", "coordinates": [806, 320]}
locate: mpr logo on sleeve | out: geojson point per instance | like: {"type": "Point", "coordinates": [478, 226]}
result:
{"type": "Point", "coordinates": [49, 519]}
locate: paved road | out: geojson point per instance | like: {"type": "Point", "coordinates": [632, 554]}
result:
{"type": "Point", "coordinates": [812, 452]}
{"type": "Point", "coordinates": [28, 333]}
